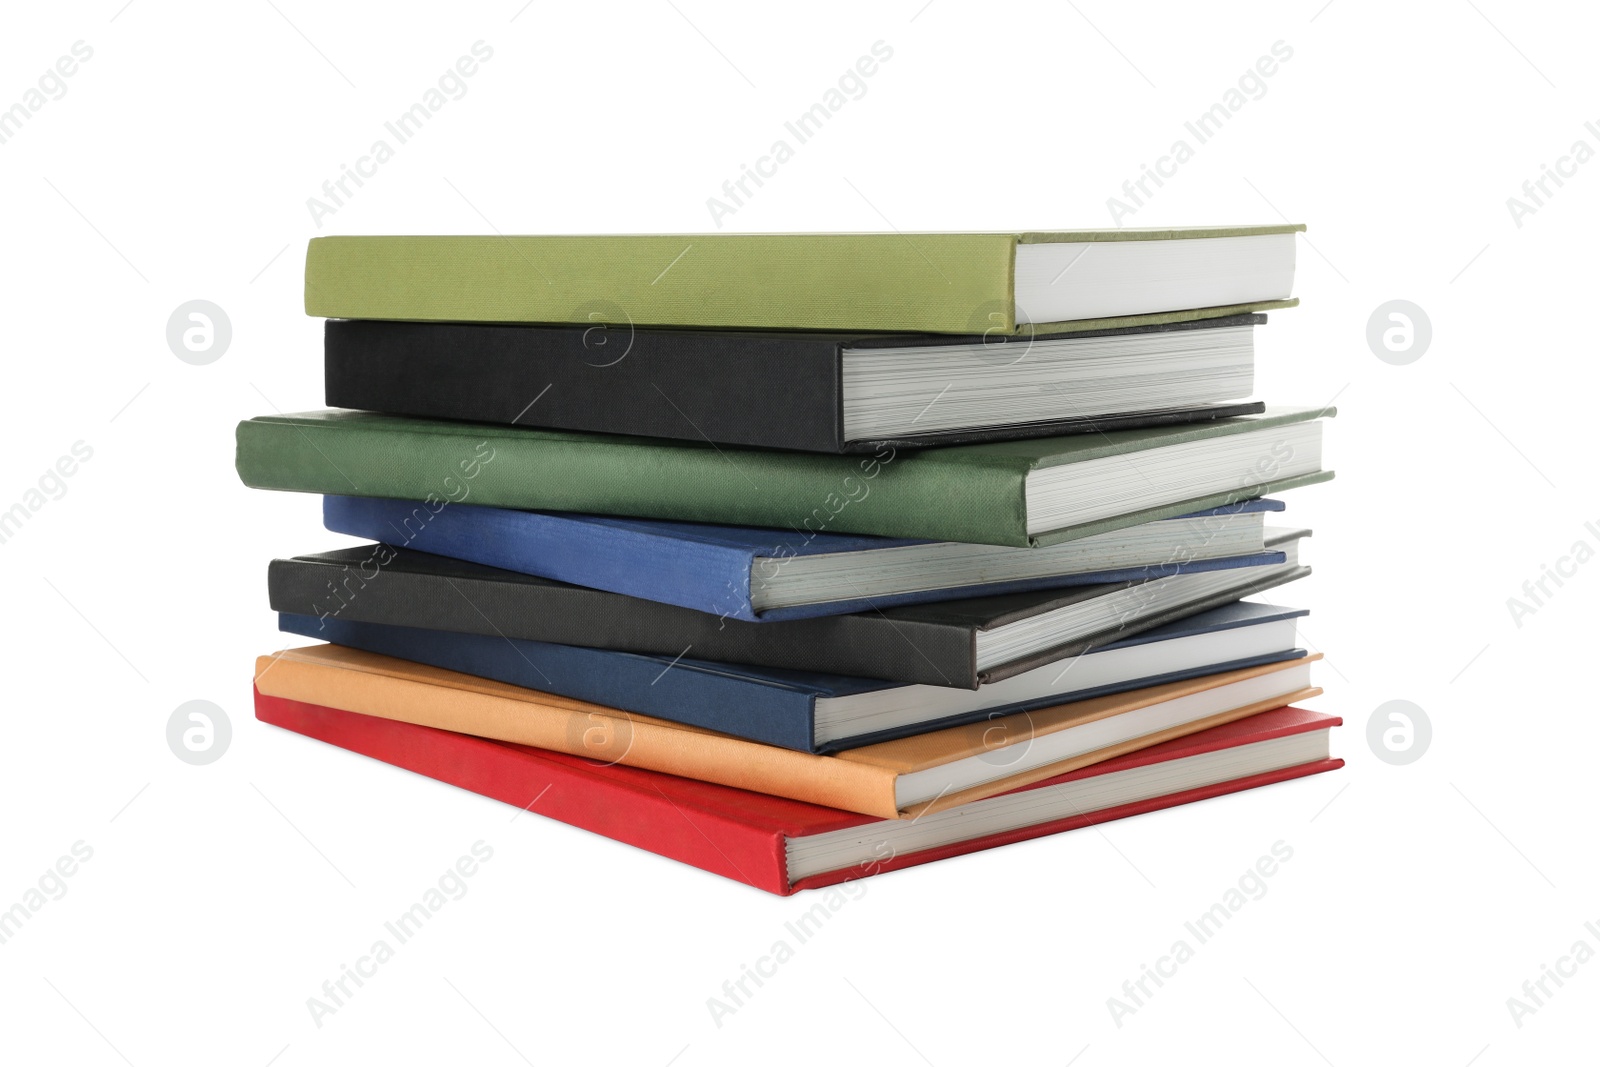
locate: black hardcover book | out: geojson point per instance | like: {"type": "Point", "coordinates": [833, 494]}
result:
{"type": "Point", "coordinates": [804, 391]}
{"type": "Point", "coordinates": [958, 643]}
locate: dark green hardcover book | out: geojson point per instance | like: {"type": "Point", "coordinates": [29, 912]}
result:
{"type": "Point", "coordinates": [1019, 493]}
{"type": "Point", "coordinates": [961, 283]}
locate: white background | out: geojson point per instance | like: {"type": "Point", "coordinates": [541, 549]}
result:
{"type": "Point", "coordinates": [219, 898]}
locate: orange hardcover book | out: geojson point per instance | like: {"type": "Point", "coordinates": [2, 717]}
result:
{"type": "Point", "coordinates": [904, 778]}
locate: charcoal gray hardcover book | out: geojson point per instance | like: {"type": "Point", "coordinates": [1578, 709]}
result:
{"type": "Point", "coordinates": [959, 643]}
{"type": "Point", "coordinates": [806, 391]}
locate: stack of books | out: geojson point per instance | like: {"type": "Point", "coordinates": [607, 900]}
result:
{"type": "Point", "coordinates": [799, 558]}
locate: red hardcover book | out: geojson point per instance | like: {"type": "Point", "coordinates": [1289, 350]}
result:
{"type": "Point", "coordinates": [784, 845]}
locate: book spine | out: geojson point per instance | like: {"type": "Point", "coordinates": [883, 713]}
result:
{"type": "Point", "coordinates": [770, 390]}
{"type": "Point", "coordinates": [642, 817]}
{"type": "Point", "coordinates": [588, 730]}
{"type": "Point", "coordinates": [938, 282]}
{"type": "Point", "coordinates": [691, 574]}
{"type": "Point", "coordinates": [648, 685]}
{"type": "Point", "coordinates": [921, 495]}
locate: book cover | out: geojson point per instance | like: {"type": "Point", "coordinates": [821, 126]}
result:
{"type": "Point", "coordinates": [780, 707]}
{"type": "Point", "coordinates": [739, 835]}
{"type": "Point", "coordinates": [961, 283]}
{"type": "Point", "coordinates": [971, 493]}
{"type": "Point", "coordinates": [720, 569]}
{"type": "Point", "coordinates": [905, 778]}
{"type": "Point", "coordinates": [930, 644]}
{"type": "Point", "coordinates": [769, 389]}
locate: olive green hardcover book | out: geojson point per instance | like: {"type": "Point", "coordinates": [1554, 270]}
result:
{"type": "Point", "coordinates": [953, 283]}
{"type": "Point", "coordinates": [1019, 493]}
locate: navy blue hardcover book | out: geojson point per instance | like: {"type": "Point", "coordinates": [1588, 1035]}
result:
{"type": "Point", "coordinates": [764, 575]}
{"type": "Point", "coordinates": [815, 712]}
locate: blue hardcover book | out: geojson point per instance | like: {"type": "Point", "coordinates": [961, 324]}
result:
{"type": "Point", "coordinates": [760, 575]}
{"type": "Point", "coordinates": [823, 712]}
